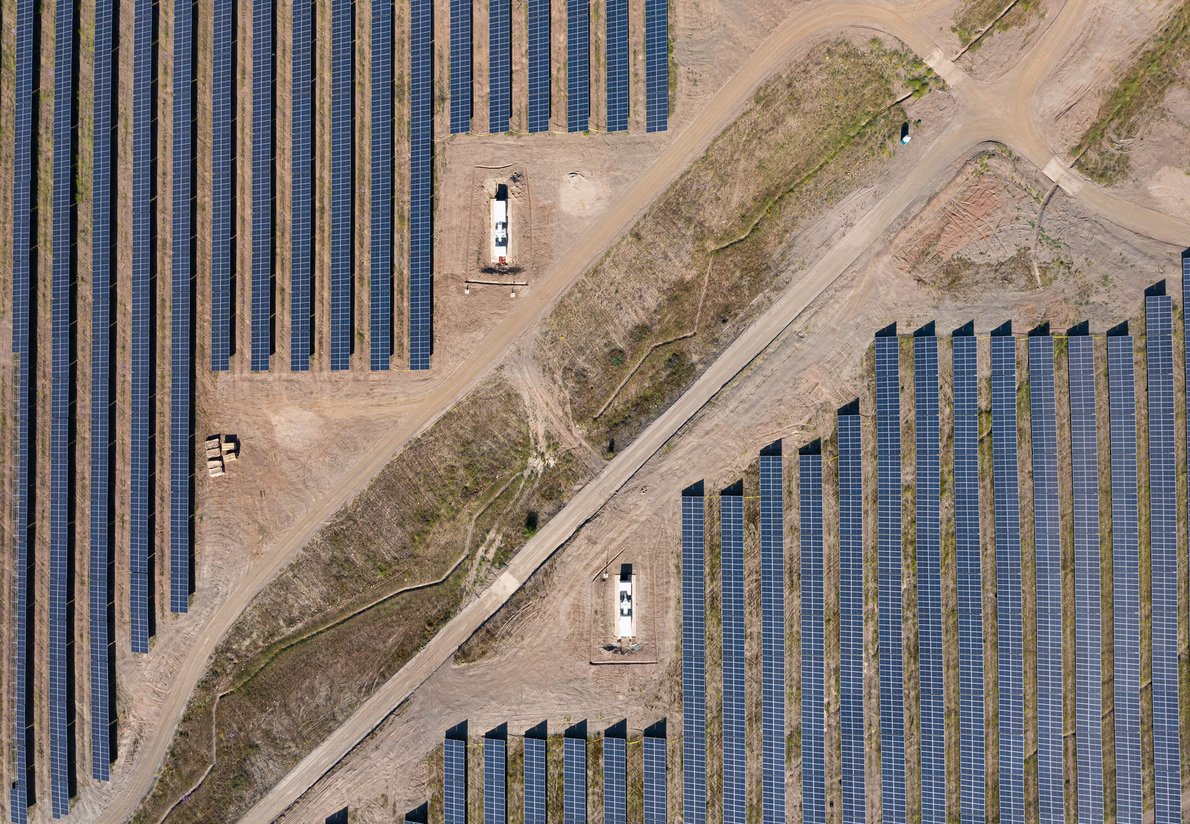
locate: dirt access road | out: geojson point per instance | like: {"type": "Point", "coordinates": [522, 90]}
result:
{"type": "Point", "coordinates": [998, 111]}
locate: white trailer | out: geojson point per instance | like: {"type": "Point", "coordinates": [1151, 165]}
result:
{"type": "Point", "coordinates": [500, 246]}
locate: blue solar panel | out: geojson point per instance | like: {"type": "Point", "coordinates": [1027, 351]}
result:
{"type": "Point", "coordinates": [813, 663]}
{"type": "Point", "coordinates": [851, 618]}
{"type": "Point", "coordinates": [655, 792]}
{"type": "Point", "coordinates": [731, 540]}
{"type": "Point", "coordinates": [578, 65]}
{"type": "Point", "coordinates": [181, 427]}
{"type": "Point", "coordinates": [1009, 631]}
{"type": "Point", "coordinates": [1087, 640]}
{"type": "Point", "coordinates": [421, 177]}
{"type": "Point", "coordinates": [61, 636]}
{"type": "Point", "coordinates": [301, 284]}
{"type": "Point", "coordinates": [460, 66]}
{"type": "Point", "coordinates": [534, 777]}
{"type": "Point", "coordinates": [495, 778]}
{"type": "Point", "coordinates": [1164, 553]}
{"type": "Point", "coordinates": [574, 779]}
{"type": "Point", "coordinates": [656, 65]}
{"type": "Point", "coordinates": [342, 180]}
{"type": "Point", "coordinates": [772, 635]}
{"type": "Point", "coordinates": [500, 65]}
{"type": "Point", "coordinates": [617, 65]}
{"type": "Point", "coordinates": [539, 65]}
{"type": "Point", "coordinates": [694, 682]}
{"type": "Point", "coordinates": [1125, 578]}
{"type": "Point", "coordinates": [888, 466]}
{"type": "Point", "coordinates": [970, 580]}
{"type": "Point", "coordinates": [615, 780]}
{"type": "Point", "coordinates": [929, 581]}
{"type": "Point", "coordinates": [381, 274]}
{"type": "Point", "coordinates": [141, 515]}
{"type": "Point", "coordinates": [102, 619]}
{"type": "Point", "coordinates": [22, 788]}
{"type": "Point", "coordinates": [1047, 543]}
{"type": "Point", "coordinates": [222, 182]}
{"type": "Point", "coordinates": [262, 184]}
{"type": "Point", "coordinates": [454, 780]}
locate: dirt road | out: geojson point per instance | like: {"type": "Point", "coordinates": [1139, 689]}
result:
{"type": "Point", "coordinates": [988, 112]}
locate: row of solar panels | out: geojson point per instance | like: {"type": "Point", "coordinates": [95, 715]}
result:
{"type": "Point", "coordinates": [1009, 585]}
{"type": "Point", "coordinates": [102, 426]}
{"type": "Point", "coordinates": [342, 288]}
{"type": "Point", "coordinates": [535, 778]}
{"type": "Point", "coordinates": [578, 74]}
{"type": "Point", "coordinates": [23, 335]}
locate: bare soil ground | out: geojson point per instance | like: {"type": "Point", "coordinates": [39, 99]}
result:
{"type": "Point", "coordinates": [536, 666]}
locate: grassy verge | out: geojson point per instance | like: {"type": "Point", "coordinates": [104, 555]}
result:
{"type": "Point", "coordinates": [636, 330]}
{"type": "Point", "coordinates": [1135, 101]}
{"type": "Point", "coordinates": [314, 645]}
{"type": "Point", "coordinates": [975, 20]}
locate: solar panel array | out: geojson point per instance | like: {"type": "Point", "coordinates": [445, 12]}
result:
{"type": "Point", "coordinates": [813, 655]}
{"type": "Point", "coordinates": [262, 184]}
{"type": "Point", "coordinates": [655, 780]}
{"type": "Point", "coordinates": [578, 65]}
{"type": "Point", "coordinates": [495, 779]}
{"type": "Point", "coordinates": [539, 65]}
{"type": "Point", "coordinates": [342, 180]}
{"type": "Point", "coordinates": [499, 65]}
{"type": "Point", "coordinates": [61, 637]}
{"type": "Point", "coordinates": [380, 277]}
{"type": "Point", "coordinates": [460, 66]}
{"type": "Point", "coordinates": [731, 541]}
{"type": "Point", "coordinates": [615, 780]}
{"type": "Point", "coordinates": [22, 331]}
{"type": "Point", "coordinates": [929, 581]}
{"type": "Point", "coordinates": [970, 582]}
{"type": "Point", "coordinates": [1009, 630]}
{"type": "Point", "coordinates": [1125, 578]}
{"type": "Point", "coordinates": [1087, 640]}
{"type": "Point", "coordinates": [454, 780]}
{"type": "Point", "coordinates": [574, 779]}
{"type": "Point", "coordinates": [421, 173]}
{"type": "Point", "coordinates": [181, 427]}
{"type": "Point", "coordinates": [656, 65]}
{"type": "Point", "coordinates": [1164, 551]}
{"type": "Point", "coordinates": [617, 65]}
{"type": "Point", "coordinates": [534, 779]}
{"type": "Point", "coordinates": [772, 635]}
{"type": "Point", "coordinates": [851, 618]}
{"type": "Point", "coordinates": [888, 473]}
{"type": "Point", "coordinates": [1047, 544]}
{"type": "Point", "coordinates": [694, 684]}
{"type": "Point", "coordinates": [140, 532]}
{"type": "Point", "coordinates": [102, 619]}
{"type": "Point", "coordinates": [222, 247]}
{"type": "Point", "coordinates": [301, 283]}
